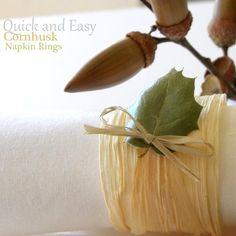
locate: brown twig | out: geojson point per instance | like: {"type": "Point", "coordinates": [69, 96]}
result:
{"type": "Point", "coordinates": [147, 4]}
{"type": "Point", "coordinates": [153, 29]}
{"type": "Point", "coordinates": [204, 60]}
{"type": "Point", "coordinates": [225, 51]}
{"type": "Point", "coordinates": [162, 40]}
{"type": "Point", "coordinates": [208, 64]}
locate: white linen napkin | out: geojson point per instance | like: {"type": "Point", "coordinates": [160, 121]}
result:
{"type": "Point", "coordinates": [49, 174]}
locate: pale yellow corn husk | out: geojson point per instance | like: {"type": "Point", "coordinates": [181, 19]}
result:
{"type": "Point", "coordinates": [151, 194]}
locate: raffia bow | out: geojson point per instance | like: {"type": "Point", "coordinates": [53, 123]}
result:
{"type": "Point", "coordinates": [165, 144]}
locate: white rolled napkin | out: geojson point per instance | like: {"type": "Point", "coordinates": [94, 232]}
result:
{"type": "Point", "coordinates": [49, 174]}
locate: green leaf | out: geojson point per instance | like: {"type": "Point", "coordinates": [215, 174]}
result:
{"type": "Point", "coordinates": [166, 108]}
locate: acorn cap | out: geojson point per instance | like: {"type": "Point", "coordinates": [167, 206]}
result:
{"type": "Point", "coordinates": [173, 18]}
{"type": "Point", "coordinates": [147, 44]}
{"type": "Point", "coordinates": [222, 32]}
{"type": "Point", "coordinates": [178, 31]}
{"type": "Point", "coordinates": [115, 64]}
{"type": "Point", "coordinates": [222, 28]}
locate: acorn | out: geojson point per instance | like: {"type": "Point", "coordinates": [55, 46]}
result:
{"type": "Point", "coordinates": [222, 28]}
{"type": "Point", "coordinates": [115, 64]}
{"type": "Point", "coordinates": [173, 18]}
{"type": "Point", "coordinates": [226, 69]}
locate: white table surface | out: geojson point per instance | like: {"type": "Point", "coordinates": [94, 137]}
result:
{"type": "Point", "coordinates": [33, 81]}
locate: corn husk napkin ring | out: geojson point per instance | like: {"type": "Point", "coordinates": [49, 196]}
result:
{"type": "Point", "coordinates": [166, 144]}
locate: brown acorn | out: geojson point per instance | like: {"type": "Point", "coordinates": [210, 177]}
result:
{"type": "Point", "coordinates": [173, 18]}
{"type": "Point", "coordinates": [226, 69]}
{"type": "Point", "coordinates": [115, 64]}
{"type": "Point", "coordinates": [222, 28]}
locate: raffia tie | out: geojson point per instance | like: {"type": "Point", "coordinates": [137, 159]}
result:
{"type": "Point", "coordinates": [165, 144]}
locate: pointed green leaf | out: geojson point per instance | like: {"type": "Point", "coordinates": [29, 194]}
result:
{"type": "Point", "coordinates": [167, 108]}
